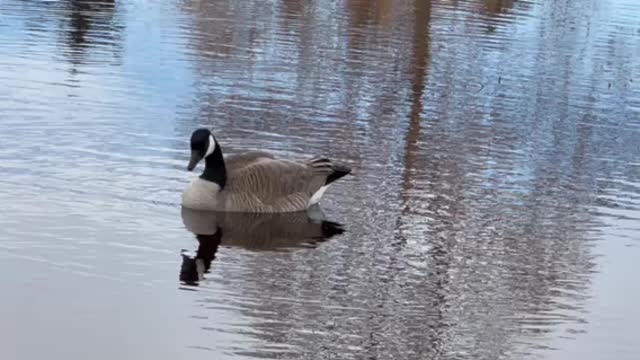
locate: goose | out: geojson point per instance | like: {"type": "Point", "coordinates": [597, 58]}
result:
{"type": "Point", "coordinates": [255, 181]}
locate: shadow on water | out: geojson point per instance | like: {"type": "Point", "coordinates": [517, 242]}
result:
{"type": "Point", "coordinates": [257, 232]}
{"type": "Point", "coordinates": [87, 30]}
{"type": "Point", "coordinates": [90, 23]}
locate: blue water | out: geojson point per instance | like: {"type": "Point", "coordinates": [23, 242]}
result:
{"type": "Point", "coordinates": [493, 211]}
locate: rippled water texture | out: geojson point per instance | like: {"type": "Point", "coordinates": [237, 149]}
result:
{"type": "Point", "coordinates": [493, 211]}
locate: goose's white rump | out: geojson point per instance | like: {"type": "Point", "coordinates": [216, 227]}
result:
{"type": "Point", "coordinates": [315, 198]}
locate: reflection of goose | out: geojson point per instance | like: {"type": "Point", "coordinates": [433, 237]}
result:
{"type": "Point", "coordinates": [253, 231]}
{"type": "Point", "coordinates": [255, 181]}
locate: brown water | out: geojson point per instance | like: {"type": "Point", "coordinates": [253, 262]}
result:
{"type": "Point", "coordinates": [493, 212]}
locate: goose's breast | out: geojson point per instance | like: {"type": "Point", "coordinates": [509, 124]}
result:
{"type": "Point", "coordinates": [201, 194]}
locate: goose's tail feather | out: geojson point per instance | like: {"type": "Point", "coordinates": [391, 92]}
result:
{"type": "Point", "coordinates": [333, 170]}
{"type": "Point", "coordinates": [338, 172]}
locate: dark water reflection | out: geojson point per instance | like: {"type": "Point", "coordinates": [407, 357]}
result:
{"type": "Point", "coordinates": [266, 232]}
{"type": "Point", "coordinates": [493, 212]}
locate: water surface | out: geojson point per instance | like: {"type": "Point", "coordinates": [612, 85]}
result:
{"type": "Point", "coordinates": [493, 212]}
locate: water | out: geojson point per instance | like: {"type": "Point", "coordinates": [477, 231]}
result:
{"type": "Point", "coordinates": [492, 213]}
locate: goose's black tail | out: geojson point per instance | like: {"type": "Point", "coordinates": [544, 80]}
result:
{"type": "Point", "coordinates": [338, 172]}
{"type": "Point", "coordinates": [333, 170]}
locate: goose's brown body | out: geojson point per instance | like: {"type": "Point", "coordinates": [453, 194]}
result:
{"type": "Point", "coordinates": [258, 182]}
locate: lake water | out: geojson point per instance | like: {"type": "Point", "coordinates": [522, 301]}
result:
{"type": "Point", "coordinates": [493, 211]}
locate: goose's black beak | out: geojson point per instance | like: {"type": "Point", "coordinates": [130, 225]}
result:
{"type": "Point", "coordinates": [195, 159]}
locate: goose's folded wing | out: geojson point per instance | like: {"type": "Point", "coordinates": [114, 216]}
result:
{"type": "Point", "coordinates": [238, 161]}
{"type": "Point", "coordinates": [271, 179]}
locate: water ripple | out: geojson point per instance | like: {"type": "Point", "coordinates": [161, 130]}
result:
{"type": "Point", "coordinates": [492, 213]}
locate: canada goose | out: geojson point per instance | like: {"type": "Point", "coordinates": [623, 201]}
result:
{"type": "Point", "coordinates": [255, 181]}
{"type": "Point", "coordinates": [253, 231]}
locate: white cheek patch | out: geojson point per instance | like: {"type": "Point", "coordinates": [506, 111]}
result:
{"type": "Point", "coordinates": [212, 146]}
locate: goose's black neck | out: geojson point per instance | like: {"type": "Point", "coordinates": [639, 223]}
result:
{"type": "Point", "coordinates": [214, 168]}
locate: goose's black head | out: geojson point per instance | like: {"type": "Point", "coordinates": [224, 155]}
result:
{"type": "Point", "coordinates": [203, 144]}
